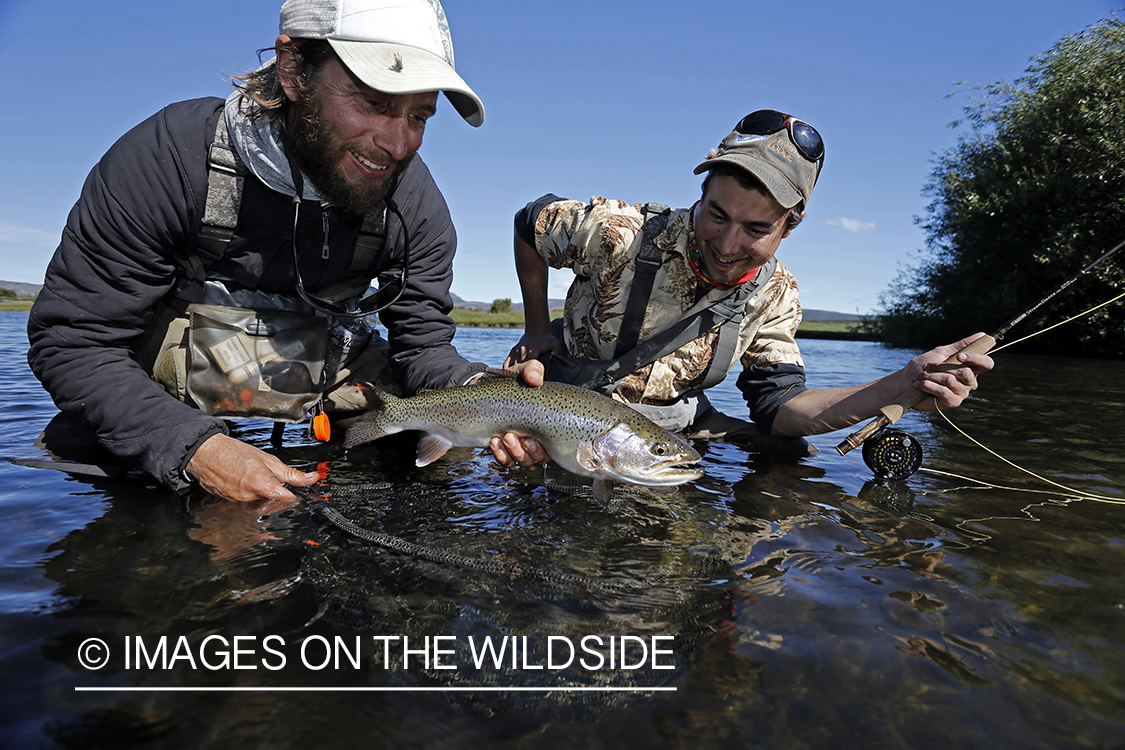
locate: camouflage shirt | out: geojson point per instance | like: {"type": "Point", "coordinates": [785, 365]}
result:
{"type": "Point", "coordinates": [599, 241]}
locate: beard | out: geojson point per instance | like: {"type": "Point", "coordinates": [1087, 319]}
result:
{"type": "Point", "coordinates": [317, 149]}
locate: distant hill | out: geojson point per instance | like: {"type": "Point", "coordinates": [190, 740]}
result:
{"type": "Point", "coordinates": [552, 304]}
{"type": "Point", "coordinates": [20, 288]}
{"type": "Point", "coordinates": [458, 302]}
{"type": "Point", "coordinates": [557, 304]}
{"type": "Point", "coordinates": [828, 315]}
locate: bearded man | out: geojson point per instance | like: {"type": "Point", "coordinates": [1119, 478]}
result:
{"type": "Point", "coordinates": [216, 244]}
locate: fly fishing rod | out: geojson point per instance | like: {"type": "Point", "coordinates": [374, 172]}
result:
{"type": "Point", "coordinates": [894, 454]}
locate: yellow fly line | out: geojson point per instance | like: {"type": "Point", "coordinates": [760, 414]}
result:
{"type": "Point", "coordinates": [1056, 325]}
{"type": "Point", "coordinates": [1073, 494]}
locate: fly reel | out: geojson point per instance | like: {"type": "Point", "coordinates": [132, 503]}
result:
{"type": "Point", "coordinates": [892, 454]}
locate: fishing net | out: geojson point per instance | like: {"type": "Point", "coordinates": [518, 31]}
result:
{"type": "Point", "coordinates": [425, 560]}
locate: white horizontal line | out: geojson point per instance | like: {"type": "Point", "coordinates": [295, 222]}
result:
{"type": "Point", "coordinates": [373, 689]}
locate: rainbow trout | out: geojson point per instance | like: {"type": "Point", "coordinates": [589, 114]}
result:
{"type": "Point", "coordinates": [584, 432]}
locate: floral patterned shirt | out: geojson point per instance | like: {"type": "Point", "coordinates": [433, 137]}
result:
{"type": "Point", "coordinates": [599, 241]}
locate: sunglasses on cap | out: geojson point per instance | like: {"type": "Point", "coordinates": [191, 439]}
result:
{"type": "Point", "coordinates": [768, 121]}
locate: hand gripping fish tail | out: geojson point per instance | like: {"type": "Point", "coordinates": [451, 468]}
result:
{"type": "Point", "coordinates": [584, 432]}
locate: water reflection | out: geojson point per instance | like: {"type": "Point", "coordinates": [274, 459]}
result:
{"type": "Point", "coordinates": [809, 604]}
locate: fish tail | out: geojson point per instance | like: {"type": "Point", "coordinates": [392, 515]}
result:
{"type": "Point", "coordinates": [379, 400]}
{"type": "Point", "coordinates": [376, 422]}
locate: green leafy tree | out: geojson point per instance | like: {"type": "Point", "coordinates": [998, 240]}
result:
{"type": "Point", "coordinates": [1032, 193]}
{"type": "Point", "coordinates": [501, 305]}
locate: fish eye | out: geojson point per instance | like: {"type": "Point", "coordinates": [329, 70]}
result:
{"type": "Point", "coordinates": [660, 449]}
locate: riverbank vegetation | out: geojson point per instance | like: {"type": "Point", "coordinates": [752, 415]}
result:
{"type": "Point", "coordinates": [464, 316]}
{"type": "Point", "coordinates": [1031, 193]}
{"type": "Point", "coordinates": [827, 329]}
{"type": "Point", "coordinates": [505, 317]}
{"type": "Point", "coordinates": [11, 301]}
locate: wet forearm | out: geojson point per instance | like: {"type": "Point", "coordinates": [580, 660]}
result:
{"type": "Point", "coordinates": [817, 411]}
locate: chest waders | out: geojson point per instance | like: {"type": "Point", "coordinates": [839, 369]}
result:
{"type": "Point", "coordinates": [197, 327]}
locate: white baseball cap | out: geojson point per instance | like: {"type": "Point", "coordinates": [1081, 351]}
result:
{"type": "Point", "coordinates": [393, 46]}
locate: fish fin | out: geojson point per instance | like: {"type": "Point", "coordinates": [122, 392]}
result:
{"type": "Point", "coordinates": [369, 427]}
{"type": "Point", "coordinates": [431, 447]}
{"type": "Point", "coordinates": [373, 424]}
{"type": "Point", "coordinates": [603, 490]}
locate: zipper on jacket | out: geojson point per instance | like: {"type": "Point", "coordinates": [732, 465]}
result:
{"type": "Point", "coordinates": [324, 223]}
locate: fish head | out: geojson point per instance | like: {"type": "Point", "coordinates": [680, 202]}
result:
{"type": "Point", "coordinates": [640, 454]}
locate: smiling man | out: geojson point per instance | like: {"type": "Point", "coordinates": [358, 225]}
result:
{"type": "Point", "coordinates": [217, 243]}
{"type": "Point", "coordinates": [666, 302]}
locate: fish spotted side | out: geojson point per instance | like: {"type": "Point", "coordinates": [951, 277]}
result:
{"type": "Point", "coordinates": [583, 432]}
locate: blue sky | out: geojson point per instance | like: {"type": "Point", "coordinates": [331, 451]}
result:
{"type": "Point", "coordinates": [618, 99]}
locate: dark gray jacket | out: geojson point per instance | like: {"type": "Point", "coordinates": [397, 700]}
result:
{"type": "Point", "coordinates": [141, 204]}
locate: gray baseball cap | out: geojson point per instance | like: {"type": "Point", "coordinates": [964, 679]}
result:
{"type": "Point", "coordinates": [787, 159]}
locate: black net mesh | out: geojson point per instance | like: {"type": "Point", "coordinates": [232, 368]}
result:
{"type": "Point", "coordinates": [402, 560]}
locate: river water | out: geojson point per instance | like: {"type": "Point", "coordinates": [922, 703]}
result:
{"type": "Point", "coordinates": [768, 604]}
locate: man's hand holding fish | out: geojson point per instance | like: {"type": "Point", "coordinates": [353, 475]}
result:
{"type": "Point", "coordinates": [511, 449]}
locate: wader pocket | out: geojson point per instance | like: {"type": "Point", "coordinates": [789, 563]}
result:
{"type": "Point", "coordinates": [255, 364]}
